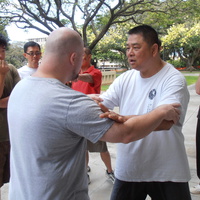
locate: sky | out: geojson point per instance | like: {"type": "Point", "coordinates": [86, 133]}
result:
{"type": "Point", "coordinates": [17, 34]}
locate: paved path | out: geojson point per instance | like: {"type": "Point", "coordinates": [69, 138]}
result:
{"type": "Point", "coordinates": [100, 188]}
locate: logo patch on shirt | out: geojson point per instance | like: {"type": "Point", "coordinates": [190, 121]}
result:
{"type": "Point", "coordinates": [152, 94]}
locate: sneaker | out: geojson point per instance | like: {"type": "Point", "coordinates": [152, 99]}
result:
{"type": "Point", "coordinates": [110, 176]}
{"type": "Point", "coordinates": [88, 179]}
{"type": "Point", "coordinates": [195, 189]}
{"type": "Point", "coordinates": [88, 169]}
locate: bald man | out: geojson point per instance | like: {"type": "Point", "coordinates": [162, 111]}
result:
{"type": "Point", "coordinates": [50, 124]}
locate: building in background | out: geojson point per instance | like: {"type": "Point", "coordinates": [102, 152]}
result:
{"type": "Point", "coordinates": [40, 40]}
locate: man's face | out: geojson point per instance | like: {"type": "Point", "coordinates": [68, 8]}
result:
{"type": "Point", "coordinates": [2, 53]}
{"type": "Point", "coordinates": [138, 52]}
{"type": "Point", "coordinates": [78, 63]}
{"type": "Point", "coordinates": [33, 55]}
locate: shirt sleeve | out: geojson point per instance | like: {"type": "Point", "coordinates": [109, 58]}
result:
{"type": "Point", "coordinates": [85, 121]}
{"type": "Point", "coordinates": [175, 91]}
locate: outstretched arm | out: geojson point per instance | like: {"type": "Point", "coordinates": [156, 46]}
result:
{"type": "Point", "coordinates": [138, 127]}
{"type": "Point", "coordinates": [164, 125]}
{"type": "Point", "coordinates": [85, 78]}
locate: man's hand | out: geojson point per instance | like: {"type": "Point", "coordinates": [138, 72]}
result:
{"type": "Point", "coordinates": [111, 115]}
{"type": "Point", "coordinates": [172, 112]}
{"type": "Point", "coordinates": [95, 97]}
{"type": "Point", "coordinates": [3, 67]}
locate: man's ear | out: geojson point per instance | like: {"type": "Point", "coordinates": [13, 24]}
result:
{"type": "Point", "coordinates": [72, 58]}
{"type": "Point", "coordinates": [24, 54]}
{"type": "Point", "coordinates": [154, 49]}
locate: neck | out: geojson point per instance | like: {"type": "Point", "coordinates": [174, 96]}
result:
{"type": "Point", "coordinates": [33, 65]}
{"type": "Point", "coordinates": [85, 68]}
{"type": "Point", "coordinates": [151, 71]}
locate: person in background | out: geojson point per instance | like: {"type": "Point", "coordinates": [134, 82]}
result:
{"type": "Point", "coordinates": [8, 79]}
{"type": "Point", "coordinates": [32, 52]}
{"type": "Point", "coordinates": [156, 165]}
{"type": "Point", "coordinates": [196, 189]}
{"type": "Point", "coordinates": [89, 82]}
{"type": "Point", "coordinates": [50, 124]}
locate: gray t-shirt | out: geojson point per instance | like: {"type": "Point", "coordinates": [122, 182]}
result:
{"type": "Point", "coordinates": [49, 124]}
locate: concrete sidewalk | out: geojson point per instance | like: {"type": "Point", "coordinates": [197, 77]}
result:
{"type": "Point", "coordinates": [100, 188]}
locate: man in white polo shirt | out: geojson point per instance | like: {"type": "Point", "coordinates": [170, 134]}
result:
{"type": "Point", "coordinates": [32, 52]}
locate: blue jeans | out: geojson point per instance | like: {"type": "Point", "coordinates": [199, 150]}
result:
{"type": "Point", "coordinates": [156, 190]}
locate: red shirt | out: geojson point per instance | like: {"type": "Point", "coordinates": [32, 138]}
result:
{"type": "Point", "coordinates": [89, 88]}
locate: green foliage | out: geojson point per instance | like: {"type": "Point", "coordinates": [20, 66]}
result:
{"type": "Point", "coordinates": [177, 63]}
{"type": "Point", "coordinates": [184, 40]}
{"type": "Point", "coordinates": [112, 45]}
{"type": "Point", "coordinates": [104, 24]}
{"type": "Point", "coordinates": [15, 55]}
{"type": "Point", "coordinates": [3, 23]}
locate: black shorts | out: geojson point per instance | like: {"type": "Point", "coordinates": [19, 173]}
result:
{"type": "Point", "coordinates": [123, 190]}
{"type": "Point", "coordinates": [198, 145]}
{"type": "Point", "coordinates": [4, 162]}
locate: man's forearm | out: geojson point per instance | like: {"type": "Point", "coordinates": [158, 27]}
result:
{"type": "Point", "coordinates": [140, 126]}
{"type": "Point", "coordinates": [85, 78]}
{"type": "Point", "coordinates": [165, 125]}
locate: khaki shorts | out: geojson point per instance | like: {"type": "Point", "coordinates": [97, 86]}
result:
{"type": "Point", "coordinates": [99, 146]}
{"type": "Point", "coordinates": [4, 162]}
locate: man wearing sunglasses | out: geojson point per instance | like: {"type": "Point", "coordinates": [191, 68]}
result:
{"type": "Point", "coordinates": [32, 52]}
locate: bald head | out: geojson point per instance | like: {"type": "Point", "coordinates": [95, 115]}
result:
{"type": "Point", "coordinates": [63, 41]}
{"type": "Point", "coordinates": [63, 55]}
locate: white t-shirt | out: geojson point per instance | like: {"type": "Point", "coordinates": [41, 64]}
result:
{"type": "Point", "coordinates": [26, 71]}
{"type": "Point", "coordinates": [160, 156]}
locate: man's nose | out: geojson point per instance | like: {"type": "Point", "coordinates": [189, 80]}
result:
{"type": "Point", "coordinates": [130, 52]}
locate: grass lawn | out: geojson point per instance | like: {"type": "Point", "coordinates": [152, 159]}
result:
{"type": "Point", "coordinates": [104, 87]}
{"type": "Point", "coordinates": [189, 79]}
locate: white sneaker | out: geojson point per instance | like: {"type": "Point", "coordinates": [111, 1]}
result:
{"type": "Point", "coordinates": [195, 189]}
{"type": "Point", "coordinates": [110, 176]}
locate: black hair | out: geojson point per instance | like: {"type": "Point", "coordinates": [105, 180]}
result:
{"type": "Point", "coordinates": [87, 51]}
{"type": "Point", "coordinates": [148, 33]}
{"type": "Point", "coordinates": [31, 44]}
{"type": "Point", "coordinates": [3, 41]}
